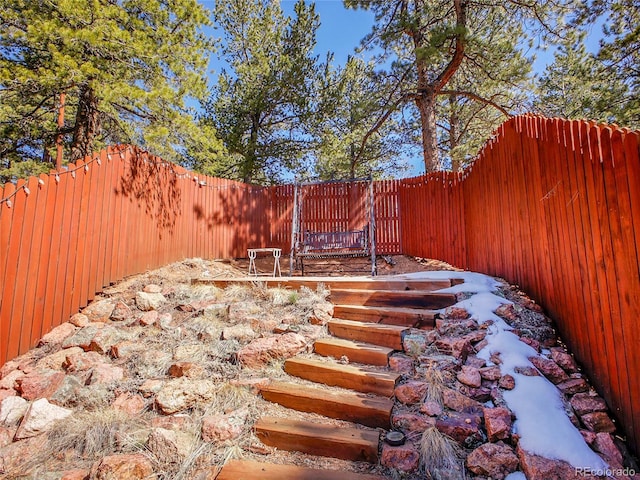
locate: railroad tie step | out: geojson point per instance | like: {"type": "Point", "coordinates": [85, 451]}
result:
{"type": "Point", "coordinates": [375, 333]}
{"type": "Point", "coordinates": [346, 443]}
{"type": "Point", "coordinates": [392, 298]}
{"type": "Point", "coordinates": [365, 409]}
{"type": "Point", "coordinates": [360, 379]}
{"type": "Point", "coordinates": [357, 352]}
{"type": "Point", "coordinates": [251, 470]}
{"type": "Point", "coordinates": [404, 317]}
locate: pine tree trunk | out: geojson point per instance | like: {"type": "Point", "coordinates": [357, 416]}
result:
{"type": "Point", "coordinates": [87, 124]}
{"type": "Point", "coordinates": [426, 103]}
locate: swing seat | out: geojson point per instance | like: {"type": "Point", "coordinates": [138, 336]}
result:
{"type": "Point", "coordinates": [320, 245]}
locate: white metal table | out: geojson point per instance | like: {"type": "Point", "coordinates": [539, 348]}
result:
{"type": "Point", "coordinates": [253, 253]}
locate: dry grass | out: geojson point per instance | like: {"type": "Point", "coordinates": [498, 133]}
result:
{"type": "Point", "coordinates": [440, 456]}
{"type": "Point", "coordinates": [435, 385]}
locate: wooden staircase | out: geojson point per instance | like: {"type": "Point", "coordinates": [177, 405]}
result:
{"type": "Point", "coordinates": [368, 326]}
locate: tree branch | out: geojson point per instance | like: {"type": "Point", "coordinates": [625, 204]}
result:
{"type": "Point", "coordinates": [477, 98]}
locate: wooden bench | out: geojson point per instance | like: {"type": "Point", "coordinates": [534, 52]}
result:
{"type": "Point", "coordinates": [320, 245]}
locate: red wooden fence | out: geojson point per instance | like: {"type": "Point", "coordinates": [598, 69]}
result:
{"type": "Point", "coordinates": [121, 212]}
{"type": "Point", "coordinates": [553, 206]}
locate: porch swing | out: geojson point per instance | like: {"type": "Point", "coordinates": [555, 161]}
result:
{"type": "Point", "coordinates": [333, 219]}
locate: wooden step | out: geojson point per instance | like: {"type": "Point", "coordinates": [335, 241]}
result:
{"type": "Point", "coordinates": [392, 298]}
{"type": "Point", "coordinates": [375, 333]}
{"type": "Point", "coordinates": [347, 443]}
{"type": "Point", "coordinates": [378, 283]}
{"type": "Point", "coordinates": [357, 352]}
{"type": "Point", "coordinates": [372, 411]}
{"type": "Point", "coordinates": [251, 470]}
{"type": "Point", "coordinates": [365, 380]}
{"type": "Point", "coordinates": [407, 317]}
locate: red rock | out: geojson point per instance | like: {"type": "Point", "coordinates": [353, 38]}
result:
{"type": "Point", "coordinates": [588, 436]}
{"type": "Point", "coordinates": [507, 311]}
{"type": "Point", "coordinates": [497, 397]}
{"type": "Point", "coordinates": [605, 445]}
{"type": "Point", "coordinates": [120, 312]}
{"type": "Point", "coordinates": [431, 408]}
{"type": "Point", "coordinates": [186, 369]}
{"type": "Point", "coordinates": [458, 402]}
{"type": "Point", "coordinates": [129, 403]}
{"type": "Point", "coordinates": [77, 474]}
{"type": "Point", "coordinates": [598, 422]}
{"type": "Point", "coordinates": [56, 360]}
{"type": "Point", "coordinates": [104, 373]}
{"type": "Point", "coordinates": [172, 445]}
{"type": "Point", "coordinates": [573, 386]}
{"type": "Point", "coordinates": [172, 422]}
{"type": "Point", "coordinates": [563, 359]}
{"type": "Point", "coordinates": [476, 362]}
{"type": "Point", "coordinates": [79, 320]}
{"type": "Point", "coordinates": [494, 460]}
{"type": "Point", "coordinates": [507, 382]}
{"type": "Point", "coordinates": [583, 403]}
{"type": "Point", "coordinates": [469, 376]}
{"type": "Point", "coordinates": [491, 373]}
{"type": "Point", "coordinates": [463, 428]}
{"type": "Point", "coordinates": [134, 466]}
{"type": "Point", "coordinates": [550, 369]}
{"type": "Point", "coordinates": [457, 313]}
{"type": "Point", "coordinates": [475, 336]}
{"type": "Point", "coordinates": [480, 394]}
{"type": "Point", "coordinates": [444, 363]}
{"type": "Point", "coordinates": [410, 392]}
{"type": "Point", "coordinates": [218, 428]}
{"type": "Point", "coordinates": [58, 334]}
{"type": "Point", "coordinates": [540, 468]}
{"type": "Point", "coordinates": [82, 338]}
{"type": "Point", "coordinates": [401, 363]}
{"type": "Point", "coordinates": [81, 361]}
{"type": "Point", "coordinates": [40, 384]}
{"type": "Point", "coordinates": [457, 347]}
{"type": "Point", "coordinates": [531, 342]}
{"type": "Point", "coordinates": [99, 311]}
{"type": "Point", "coordinates": [10, 380]}
{"type": "Point", "coordinates": [149, 318]}
{"type": "Point", "coordinates": [412, 422]}
{"type": "Point", "coordinates": [498, 423]}
{"type": "Point", "coordinates": [404, 457]}
{"type": "Point", "coordinates": [263, 350]}
{"type": "Point", "coordinates": [105, 338]}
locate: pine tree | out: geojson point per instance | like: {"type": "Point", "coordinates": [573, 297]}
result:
{"type": "Point", "coordinates": [262, 105]}
{"type": "Point", "coordinates": [126, 69]}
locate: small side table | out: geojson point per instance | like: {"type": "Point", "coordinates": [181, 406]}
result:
{"type": "Point", "coordinates": [253, 252]}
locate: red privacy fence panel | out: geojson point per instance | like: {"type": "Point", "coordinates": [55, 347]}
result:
{"type": "Point", "coordinates": [553, 206]}
{"type": "Point", "coordinates": [65, 235]}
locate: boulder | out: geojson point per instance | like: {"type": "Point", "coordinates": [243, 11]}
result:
{"type": "Point", "coordinates": [401, 363]}
{"type": "Point", "coordinates": [498, 423]}
{"type": "Point", "coordinates": [583, 403]}
{"type": "Point", "coordinates": [491, 373]}
{"type": "Point", "coordinates": [121, 312]}
{"type": "Point", "coordinates": [219, 428]}
{"type": "Point", "coordinates": [79, 320]}
{"type": "Point", "coordinates": [605, 445]}
{"type": "Point", "coordinates": [463, 428]}
{"type": "Point", "coordinates": [149, 301]}
{"type": "Point", "coordinates": [454, 346]}
{"type": "Point", "coordinates": [104, 373]}
{"type": "Point", "coordinates": [40, 384]}
{"type": "Point", "coordinates": [39, 418]}
{"type": "Point", "coordinates": [99, 311]}
{"type": "Point", "coordinates": [598, 422]}
{"type": "Point", "coordinates": [550, 369]}
{"type": "Point", "coordinates": [11, 380]}
{"type": "Point", "coordinates": [456, 313]}
{"type": "Point", "coordinates": [134, 466]}
{"type": "Point", "coordinates": [262, 351]}
{"type": "Point", "coordinates": [172, 445]}
{"type": "Point", "coordinates": [573, 386]}
{"type": "Point", "coordinates": [56, 360]}
{"type": "Point", "coordinates": [563, 359]}
{"type": "Point", "coordinates": [81, 338]}
{"type": "Point", "coordinates": [411, 392]}
{"type": "Point", "coordinates": [58, 334]}
{"type": "Point", "coordinates": [81, 361]}
{"type": "Point", "coordinates": [182, 393]}
{"type": "Point", "coordinates": [404, 457]}
{"type": "Point", "coordinates": [412, 422]}
{"type": "Point", "coordinates": [131, 404]}
{"type": "Point", "coordinates": [494, 460]}
{"type": "Point", "coordinates": [507, 382]}
{"type": "Point", "coordinates": [469, 376]}
{"type": "Point", "coordinates": [12, 409]}
{"type": "Point", "coordinates": [536, 467]}
{"type": "Point", "coordinates": [105, 338]}
{"type": "Point", "coordinates": [458, 402]}
{"type": "Point", "coordinates": [431, 408]}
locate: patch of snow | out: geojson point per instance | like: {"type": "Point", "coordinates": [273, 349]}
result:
{"type": "Point", "coordinates": [540, 417]}
{"type": "Point", "coordinates": [541, 421]}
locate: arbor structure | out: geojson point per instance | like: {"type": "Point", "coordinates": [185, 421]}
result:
{"type": "Point", "coordinates": [125, 69]}
{"type": "Point", "coordinates": [423, 45]}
